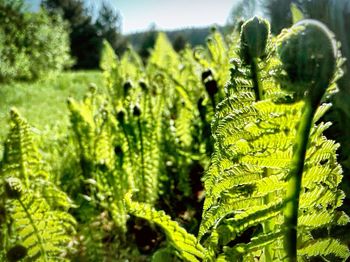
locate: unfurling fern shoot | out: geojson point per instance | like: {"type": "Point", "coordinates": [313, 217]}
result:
{"type": "Point", "coordinates": [308, 53]}
{"type": "Point", "coordinates": [254, 37]}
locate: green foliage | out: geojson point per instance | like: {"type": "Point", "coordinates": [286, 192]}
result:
{"type": "Point", "coordinates": [36, 224]}
{"type": "Point", "coordinates": [31, 44]}
{"type": "Point", "coordinates": [101, 172]}
{"type": "Point", "coordinates": [186, 244]}
{"type": "Point", "coordinates": [246, 180]}
{"type": "Point", "coordinates": [296, 13]}
{"type": "Point", "coordinates": [228, 111]}
{"type": "Point", "coordinates": [86, 34]}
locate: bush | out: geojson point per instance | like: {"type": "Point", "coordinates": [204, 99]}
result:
{"type": "Point", "coordinates": [31, 44]}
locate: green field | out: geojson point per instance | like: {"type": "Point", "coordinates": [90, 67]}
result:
{"type": "Point", "coordinates": [43, 103]}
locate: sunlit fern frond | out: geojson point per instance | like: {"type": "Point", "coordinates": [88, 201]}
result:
{"type": "Point", "coordinates": [220, 57]}
{"type": "Point", "coordinates": [37, 223]}
{"type": "Point", "coordinates": [114, 75]}
{"type": "Point", "coordinates": [54, 196]}
{"type": "Point", "coordinates": [184, 243]}
{"type": "Point", "coordinates": [183, 124]}
{"type": "Point", "coordinates": [44, 232]}
{"type": "Point", "coordinates": [245, 184]}
{"type": "Point", "coordinates": [148, 128]}
{"type": "Point", "coordinates": [163, 55]}
{"type": "Point", "coordinates": [21, 158]}
{"type": "Point", "coordinates": [131, 65]}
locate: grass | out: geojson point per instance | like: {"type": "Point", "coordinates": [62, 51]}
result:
{"type": "Point", "coordinates": [43, 103]}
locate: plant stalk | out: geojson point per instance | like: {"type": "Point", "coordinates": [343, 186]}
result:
{"type": "Point", "coordinates": [256, 79]}
{"type": "Point", "coordinates": [258, 90]}
{"type": "Point", "coordinates": [142, 160]}
{"type": "Point", "coordinates": [36, 231]}
{"type": "Point", "coordinates": [267, 226]}
{"type": "Point", "coordinates": [294, 182]}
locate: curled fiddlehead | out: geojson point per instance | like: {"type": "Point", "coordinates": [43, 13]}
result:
{"type": "Point", "coordinates": [254, 38]}
{"type": "Point", "coordinates": [308, 53]}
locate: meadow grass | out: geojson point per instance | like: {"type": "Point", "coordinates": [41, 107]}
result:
{"type": "Point", "coordinates": [43, 103]}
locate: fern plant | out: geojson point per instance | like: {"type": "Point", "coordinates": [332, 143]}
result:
{"type": "Point", "coordinates": [120, 149]}
{"type": "Point", "coordinates": [104, 179]}
{"type": "Point", "coordinates": [35, 223]}
{"type": "Point", "coordinates": [317, 74]}
{"type": "Point", "coordinates": [136, 101]}
{"type": "Point", "coordinates": [248, 183]}
{"type": "Point", "coordinates": [146, 128]}
{"type": "Point", "coordinates": [146, 100]}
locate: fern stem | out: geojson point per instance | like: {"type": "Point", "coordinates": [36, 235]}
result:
{"type": "Point", "coordinates": [130, 148]}
{"type": "Point", "coordinates": [41, 243]}
{"type": "Point", "coordinates": [267, 227]}
{"type": "Point", "coordinates": [258, 90]}
{"type": "Point", "coordinates": [142, 160]}
{"type": "Point", "coordinates": [294, 182]}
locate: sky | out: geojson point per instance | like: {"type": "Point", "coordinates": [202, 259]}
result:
{"type": "Point", "coordinates": [138, 15]}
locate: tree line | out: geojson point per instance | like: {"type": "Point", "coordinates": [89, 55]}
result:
{"type": "Point", "coordinates": [86, 31]}
{"type": "Point", "coordinates": [86, 34]}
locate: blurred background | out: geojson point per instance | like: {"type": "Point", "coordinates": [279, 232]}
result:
{"type": "Point", "coordinates": [51, 50]}
{"type": "Point", "coordinates": [137, 22]}
{"type": "Point", "coordinates": [41, 38]}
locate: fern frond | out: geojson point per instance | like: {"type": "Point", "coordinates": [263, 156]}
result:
{"type": "Point", "coordinates": [55, 197]}
{"type": "Point", "coordinates": [237, 252]}
{"type": "Point", "coordinates": [163, 55]}
{"type": "Point", "coordinates": [245, 183]}
{"type": "Point", "coordinates": [44, 232]}
{"type": "Point", "coordinates": [112, 74]}
{"type": "Point", "coordinates": [131, 65]}
{"type": "Point", "coordinates": [36, 210]}
{"type": "Point", "coordinates": [183, 126]}
{"type": "Point", "coordinates": [327, 248]}
{"type": "Point", "coordinates": [21, 158]}
{"type": "Point", "coordinates": [185, 243]}
{"type": "Point", "coordinates": [240, 220]}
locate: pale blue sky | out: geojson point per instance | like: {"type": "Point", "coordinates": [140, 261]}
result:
{"type": "Point", "coordinates": [171, 14]}
{"type": "Point", "coordinates": [137, 15]}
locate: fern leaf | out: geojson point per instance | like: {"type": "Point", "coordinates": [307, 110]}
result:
{"type": "Point", "coordinates": [245, 184]}
{"type": "Point", "coordinates": [185, 243]}
{"type": "Point", "coordinates": [35, 209]}
{"type": "Point", "coordinates": [324, 248]}
{"type": "Point", "coordinates": [21, 157]}
{"type": "Point", "coordinates": [44, 232]}
{"type": "Point", "coordinates": [237, 252]}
